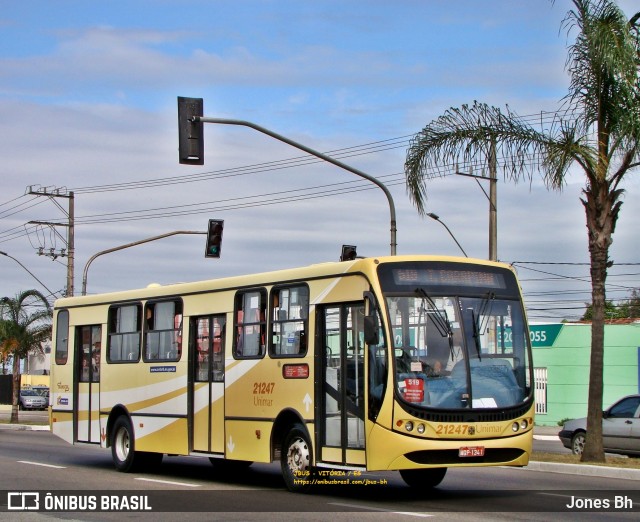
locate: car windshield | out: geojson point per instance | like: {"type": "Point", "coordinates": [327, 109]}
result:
{"type": "Point", "coordinates": [29, 393]}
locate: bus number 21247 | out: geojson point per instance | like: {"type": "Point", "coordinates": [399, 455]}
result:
{"type": "Point", "coordinates": [263, 388]}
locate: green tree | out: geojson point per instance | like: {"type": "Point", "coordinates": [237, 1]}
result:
{"type": "Point", "coordinates": [611, 311]}
{"type": "Point", "coordinates": [599, 131]}
{"type": "Point", "coordinates": [634, 303]}
{"type": "Point", "coordinates": [25, 324]}
{"type": "Point", "coordinates": [627, 309]}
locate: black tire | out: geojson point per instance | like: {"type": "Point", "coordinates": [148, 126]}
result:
{"type": "Point", "coordinates": [295, 459]}
{"type": "Point", "coordinates": [123, 444]}
{"type": "Point", "coordinates": [577, 443]}
{"type": "Point", "coordinates": [123, 449]}
{"type": "Point", "coordinates": [423, 478]}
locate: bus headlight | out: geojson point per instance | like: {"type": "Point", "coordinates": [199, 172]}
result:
{"type": "Point", "coordinates": [515, 426]}
{"type": "Point", "coordinates": [420, 428]}
{"type": "Point", "coordinates": [523, 424]}
{"type": "Point", "coordinates": [408, 426]}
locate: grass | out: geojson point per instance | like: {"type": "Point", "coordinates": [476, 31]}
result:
{"type": "Point", "coordinates": [568, 458]}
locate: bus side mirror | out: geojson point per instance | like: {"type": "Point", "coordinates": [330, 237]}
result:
{"type": "Point", "coordinates": [371, 326]}
{"type": "Point", "coordinates": [371, 330]}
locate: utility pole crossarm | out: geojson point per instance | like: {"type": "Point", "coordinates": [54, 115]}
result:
{"type": "Point", "coordinates": [324, 157]}
{"type": "Point", "coordinates": [59, 193]}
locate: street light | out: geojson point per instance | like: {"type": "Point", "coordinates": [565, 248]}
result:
{"type": "Point", "coordinates": [435, 217]}
{"type": "Point", "coordinates": [128, 245]}
{"type": "Point", "coordinates": [29, 271]}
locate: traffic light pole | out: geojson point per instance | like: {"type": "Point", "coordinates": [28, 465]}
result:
{"type": "Point", "coordinates": [324, 157]}
{"type": "Point", "coordinates": [129, 245]}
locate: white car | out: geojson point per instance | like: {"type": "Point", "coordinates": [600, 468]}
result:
{"type": "Point", "coordinates": [32, 400]}
{"type": "Point", "coordinates": [620, 429]}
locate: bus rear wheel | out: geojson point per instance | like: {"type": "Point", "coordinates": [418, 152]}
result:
{"type": "Point", "coordinates": [296, 459]}
{"type": "Point", "coordinates": [423, 478]}
{"type": "Point", "coordinates": [125, 457]}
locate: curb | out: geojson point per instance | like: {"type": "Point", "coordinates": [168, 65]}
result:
{"type": "Point", "coordinates": [24, 427]}
{"type": "Point", "coordinates": [587, 470]}
{"type": "Point", "coordinates": [546, 437]}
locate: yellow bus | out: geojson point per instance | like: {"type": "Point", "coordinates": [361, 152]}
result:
{"type": "Point", "coordinates": [408, 363]}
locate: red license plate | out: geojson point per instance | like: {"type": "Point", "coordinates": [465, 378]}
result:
{"type": "Point", "coordinates": [471, 451]}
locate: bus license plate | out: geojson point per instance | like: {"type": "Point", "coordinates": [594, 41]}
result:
{"type": "Point", "coordinates": [471, 451]}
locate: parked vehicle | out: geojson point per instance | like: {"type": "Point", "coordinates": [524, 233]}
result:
{"type": "Point", "coordinates": [41, 390]}
{"type": "Point", "coordinates": [32, 400]}
{"type": "Point", "coordinates": [620, 429]}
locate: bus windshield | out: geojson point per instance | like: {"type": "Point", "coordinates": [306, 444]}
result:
{"type": "Point", "coordinates": [458, 345]}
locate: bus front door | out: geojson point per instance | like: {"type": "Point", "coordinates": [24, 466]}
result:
{"type": "Point", "coordinates": [341, 415]}
{"type": "Point", "coordinates": [87, 394]}
{"type": "Point", "coordinates": [207, 383]}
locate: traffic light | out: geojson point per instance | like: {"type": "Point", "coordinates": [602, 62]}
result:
{"type": "Point", "coordinates": [190, 133]}
{"type": "Point", "coordinates": [214, 238]}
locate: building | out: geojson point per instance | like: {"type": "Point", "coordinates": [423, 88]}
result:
{"type": "Point", "coordinates": [561, 358]}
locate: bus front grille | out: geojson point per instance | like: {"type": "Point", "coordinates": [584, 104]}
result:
{"type": "Point", "coordinates": [449, 457]}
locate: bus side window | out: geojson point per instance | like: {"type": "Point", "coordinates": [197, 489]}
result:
{"type": "Point", "coordinates": [62, 337]}
{"type": "Point", "coordinates": [163, 331]}
{"type": "Point", "coordinates": [250, 324]}
{"type": "Point", "coordinates": [124, 332]}
{"type": "Point", "coordinates": [289, 314]}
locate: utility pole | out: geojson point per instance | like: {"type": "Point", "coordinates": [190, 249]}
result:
{"type": "Point", "coordinates": [492, 197]}
{"type": "Point", "coordinates": [70, 240]}
{"type": "Point", "coordinates": [493, 200]}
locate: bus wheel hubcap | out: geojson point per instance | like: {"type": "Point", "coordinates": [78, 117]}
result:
{"type": "Point", "coordinates": [123, 444]}
{"type": "Point", "coordinates": [298, 457]}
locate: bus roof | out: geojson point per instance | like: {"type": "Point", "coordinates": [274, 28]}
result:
{"type": "Point", "coordinates": [359, 265]}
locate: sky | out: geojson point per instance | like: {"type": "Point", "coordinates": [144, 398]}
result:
{"type": "Point", "coordinates": [88, 104]}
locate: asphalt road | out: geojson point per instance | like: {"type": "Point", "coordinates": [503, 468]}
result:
{"type": "Point", "coordinates": [189, 488]}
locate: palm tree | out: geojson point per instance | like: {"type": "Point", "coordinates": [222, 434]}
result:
{"type": "Point", "coordinates": [23, 331]}
{"type": "Point", "coordinates": [599, 130]}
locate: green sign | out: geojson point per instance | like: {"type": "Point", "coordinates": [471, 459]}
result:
{"type": "Point", "coordinates": [543, 335]}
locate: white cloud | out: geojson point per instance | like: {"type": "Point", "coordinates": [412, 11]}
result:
{"type": "Point", "coordinates": [94, 103]}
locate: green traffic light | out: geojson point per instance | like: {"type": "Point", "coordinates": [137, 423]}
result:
{"type": "Point", "coordinates": [214, 238]}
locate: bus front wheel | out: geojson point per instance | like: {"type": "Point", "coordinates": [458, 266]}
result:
{"type": "Point", "coordinates": [423, 478]}
{"type": "Point", "coordinates": [296, 459]}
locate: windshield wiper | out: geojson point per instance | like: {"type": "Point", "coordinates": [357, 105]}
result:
{"type": "Point", "coordinates": [440, 319]}
{"type": "Point", "coordinates": [485, 309]}
{"type": "Point", "coordinates": [476, 333]}
{"type": "Point", "coordinates": [484, 313]}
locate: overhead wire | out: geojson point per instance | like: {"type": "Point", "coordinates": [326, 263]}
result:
{"type": "Point", "coordinates": [542, 119]}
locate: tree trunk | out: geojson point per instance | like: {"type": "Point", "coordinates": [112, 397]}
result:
{"type": "Point", "coordinates": [601, 210]}
{"type": "Point", "coordinates": [16, 389]}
